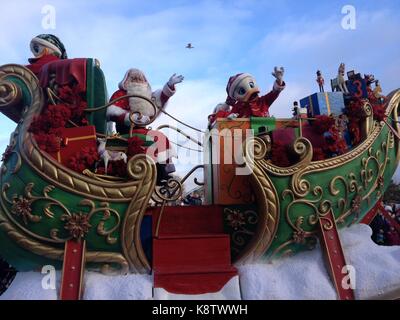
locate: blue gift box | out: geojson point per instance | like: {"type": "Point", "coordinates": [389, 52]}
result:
{"type": "Point", "coordinates": [357, 88]}
{"type": "Point", "coordinates": [324, 103]}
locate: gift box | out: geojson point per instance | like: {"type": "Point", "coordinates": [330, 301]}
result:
{"type": "Point", "coordinates": [73, 140]}
{"type": "Point", "coordinates": [262, 125]}
{"type": "Point", "coordinates": [228, 187]}
{"type": "Point", "coordinates": [265, 125]}
{"type": "Point", "coordinates": [357, 87]}
{"type": "Point", "coordinates": [352, 75]}
{"type": "Point", "coordinates": [324, 103]}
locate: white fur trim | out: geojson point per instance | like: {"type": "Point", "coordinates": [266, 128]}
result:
{"type": "Point", "coordinates": [115, 111]}
{"type": "Point", "coordinates": [278, 87]}
{"type": "Point", "coordinates": [235, 83]}
{"type": "Point", "coordinates": [44, 43]}
{"type": "Point", "coordinates": [121, 84]}
{"type": "Point", "coordinates": [168, 91]}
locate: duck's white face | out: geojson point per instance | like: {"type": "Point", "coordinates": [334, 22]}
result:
{"type": "Point", "coordinates": [247, 90]}
{"type": "Point", "coordinates": [39, 51]}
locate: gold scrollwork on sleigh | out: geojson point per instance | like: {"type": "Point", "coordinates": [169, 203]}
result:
{"type": "Point", "coordinates": [348, 190]}
{"type": "Point", "coordinates": [16, 214]}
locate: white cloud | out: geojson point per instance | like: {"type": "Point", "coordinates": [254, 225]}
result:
{"type": "Point", "coordinates": [305, 45]}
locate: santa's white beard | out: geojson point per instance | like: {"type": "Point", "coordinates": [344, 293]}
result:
{"type": "Point", "coordinates": [137, 104]}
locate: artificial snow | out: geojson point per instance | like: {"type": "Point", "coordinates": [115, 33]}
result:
{"type": "Point", "coordinates": [128, 287]}
{"type": "Point", "coordinates": [28, 286]}
{"type": "Point", "coordinates": [302, 276]}
{"type": "Point", "coordinates": [231, 291]}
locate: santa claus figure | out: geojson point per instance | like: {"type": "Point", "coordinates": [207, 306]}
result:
{"type": "Point", "coordinates": [132, 115]}
{"type": "Point", "coordinates": [243, 95]}
{"type": "Point", "coordinates": [135, 110]}
{"type": "Point", "coordinates": [45, 48]}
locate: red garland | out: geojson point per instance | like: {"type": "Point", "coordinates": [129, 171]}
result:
{"type": "Point", "coordinates": [355, 113]}
{"type": "Point", "coordinates": [280, 155]}
{"type": "Point", "coordinates": [46, 126]}
{"type": "Point", "coordinates": [323, 123]}
{"type": "Point", "coordinates": [84, 159]}
{"type": "Point", "coordinates": [48, 142]}
{"type": "Point", "coordinates": [379, 112]}
{"type": "Point", "coordinates": [135, 146]}
{"type": "Point", "coordinates": [115, 168]}
{"type": "Point", "coordinates": [334, 144]}
{"type": "Point", "coordinates": [318, 154]}
{"type": "Point", "coordinates": [76, 104]}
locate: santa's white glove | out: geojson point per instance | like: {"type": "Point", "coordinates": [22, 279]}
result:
{"type": "Point", "coordinates": [233, 116]}
{"type": "Point", "coordinates": [278, 73]}
{"type": "Point", "coordinates": [174, 80]}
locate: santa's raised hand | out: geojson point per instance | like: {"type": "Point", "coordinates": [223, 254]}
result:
{"type": "Point", "coordinates": [278, 73]}
{"type": "Point", "coordinates": [174, 80]}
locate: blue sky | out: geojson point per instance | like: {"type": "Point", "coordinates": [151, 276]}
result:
{"type": "Point", "coordinates": [229, 37]}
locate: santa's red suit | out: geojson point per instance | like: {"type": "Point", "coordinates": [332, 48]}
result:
{"type": "Point", "coordinates": [119, 112]}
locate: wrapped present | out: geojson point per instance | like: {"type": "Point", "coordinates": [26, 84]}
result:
{"type": "Point", "coordinates": [324, 103]}
{"type": "Point", "coordinates": [73, 140]}
{"type": "Point", "coordinates": [357, 87]}
{"type": "Point", "coordinates": [265, 125]}
{"type": "Point", "coordinates": [229, 187]}
{"type": "Point", "coordinates": [262, 125]}
{"type": "Point", "coordinates": [352, 75]}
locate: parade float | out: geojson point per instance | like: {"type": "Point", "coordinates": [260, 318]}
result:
{"type": "Point", "coordinates": [76, 196]}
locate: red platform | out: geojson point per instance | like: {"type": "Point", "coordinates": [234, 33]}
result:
{"type": "Point", "coordinates": [191, 254]}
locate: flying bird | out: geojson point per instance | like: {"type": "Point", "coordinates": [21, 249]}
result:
{"type": "Point", "coordinates": [189, 46]}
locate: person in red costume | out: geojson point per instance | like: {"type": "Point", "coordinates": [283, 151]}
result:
{"type": "Point", "coordinates": [46, 48]}
{"type": "Point", "coordinates": [135, 82]}
{"type": "Point", "coordinates": [138, 113]}
{"type": "Point", "coordinates": [243, 99]}
{"type": "Point", "coordinates": [243, 95]}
